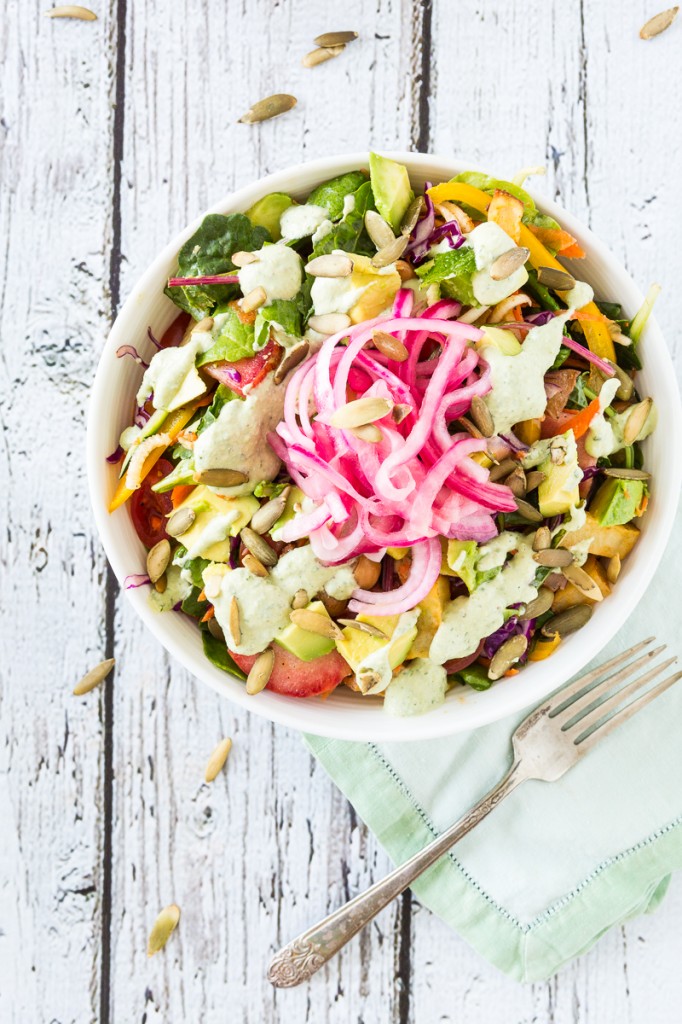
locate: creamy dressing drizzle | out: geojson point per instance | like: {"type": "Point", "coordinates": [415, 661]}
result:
{"type": "Point", "coordinates": [301, 221]}
{"type": "Point", "coordinates": [489, 241]}
{"type": "Point", "coordinates": [420, 687]}
{"type": "Point", "coordinates": [216, 530]}
{"type": "Point", "coordinates": [278, 269]}
{"type": "Point", "coordinates": [171, 375]}
{"type": "Point", "coordinates": [378, 662]}
{"type": "Point", "coordinates": [605, 436]}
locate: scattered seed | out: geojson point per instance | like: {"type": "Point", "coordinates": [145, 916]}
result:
{"type": "Point", "coordinates": [322, 54]}
{"type": "Point", "coordinates": [405, 271]}
{"type": "Point", "coordinates": [510, 261]}
{"type": "Point", "coordinates": [330, 265]}
{"type": "Point", "coordinates": [221, 477]}
{"type": "Point", "coordinates": [528, 511]}
{"type": "Point", "coordinates": [335, 38]}
{"type": "Point", "coordinates": [542, 539]}
{"type": "Point", "coordinates": [258, 547]}
{"type": "Point", "coordinates": [556, 558]}
{"type": "Point", "coordinates": [613, 568]}
{"type": "Point", "coordinates": [235, 621]}
{"type": "Point", "coordinates": [215, 629]}
{"type": "Point", "coordinates": [71, 11]}
{"type": "Point", "coordinates": [533, 481]}
{"type": "Point", "coordinates": [261, 670]}
{"type": "Point", "coordinates": [471, 428]}
{"type": "Point", "coordinates": [268, 514]}
{"type": "Point", "coordinates": [538, 607]}
{"type": "Point", "coordinates": [94, 677]}
{"type": "Point", "coordinates": [291, 358]}
{"type": "Point", "coordinates": [368, 432]}
{"type": "Point", "coordinates": [390, 346]}
{"type": "Point", "coordinates": [271, 106]}
{"type": "Point", "coordinates": [253, 565]}
{"type": "Point", "coordinates": [636, 420]}
{"type": "Point", "coordinates": [583, 582]}
{"type": "Point", "coordinates": [216, 761]}
{"type": "Point", "coordinates": [412, 215]}
{"type": "Point", "coordinates": [366, 572]}
{"type": "Point", "coordinates": [367, 678]}
{"type": "Point", "coordinates": [204, 325]}
{"type": "Point", "coordinates": [622, 473]}
{"type": "Point", "coordinates": [378, 230]}
{"type": "Point", "coordinates": [659, 23]}
{"type": "Point", "coordinates": [161, 584]}
{"type": "Point", "coordinates": [242, 258]}
{"type": "Point", "coordinates": [329, 323]}
{"type": "Point", "coordinates": [163, 928]}
{"type": "Point", "coordinates": [180, 521]}
{"type": "Point", "coordinates": [627, 385]}
{"type": "Point", "coordinates": [361, 411]}
{"type": "Point", "coordinates": [300, 600]}
{"type": "Point", "coordinates": [400, 412]}
{"type": "Point", "coordinates": [569, 621]}
{"type": "Point", "coordinates": [510, 651]}
{"type": "Point", "coordinates": [516, 482]}
{"type": "Point", "coordinates": [502, 469]}
{"type": "Point", "coordinates": [391, 252]}
{"type": "Point", "coordinates": [315, 622]}
{"type": "Point", "coordinates": [480, 414]}
{"type": "Point", "coordinates": [254, 299]}
{"type": "Point", "coordinates": [557, 280]}
{"type": "Point", "coordinates": [365, 627]}
{"type": "Point", "coordinates": [157, 560]}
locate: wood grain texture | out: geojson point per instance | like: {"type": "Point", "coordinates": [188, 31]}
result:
{"type": "Point", "coordinates": [113, 134]}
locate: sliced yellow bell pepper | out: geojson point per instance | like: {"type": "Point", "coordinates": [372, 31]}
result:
{"type": "Point", "coordinates": [544, 648]}
{"type": "Point", "coordinates": [460, 193]}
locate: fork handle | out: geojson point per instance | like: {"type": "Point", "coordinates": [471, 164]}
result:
{"type": "Point", "coordinates": [304, 955]}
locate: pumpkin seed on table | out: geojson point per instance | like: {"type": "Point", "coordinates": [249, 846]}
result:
{"type": "Point", "coordinates": [330, 265]}
{"type": "Point", "coordinates": [254, 566]}
{"type": "Point", "coordinates": [502, 469]}
{"type": "Point", "coordinates": [480, 414]}
{"type": "Point", "coordinates": [378, 230]}
{"type": "Point", "coordinates": [412, 215]}
{"type": "Point", "coordinates": [528, 511]}
{"type": "Point", "coordinates": [361, 411]}
{"type": "Point", "coordinates": [613, 568]}
{"type": "Point", "coordinates": [391, 252]}
{"type": "Point", "coordinates": [261, 670]}
{"type": "Point", "coordinates": [555, 558]}
{"type": "Point", "coordinates": [542, 538]}
{"type": "Point", "coordinates": [163, 928]}
{"type": "Point", "coordinates": [538, 607]}
{"type": "Point", "coordinates": [271, 106]}
{"type": "Point", "coordinates": [365, 627]}
{"type": "Point", "coordinates": [94, 677]}
{"type": "Point", "coordinates": [158, 558]}
{"type": "Point", "coordinates": [322, 54]}
{"type": "Point", "coordinates": [218, 477]}
{"type": "Point", "coordinates": [218, 759]}
{"type": "Point", "coordinates": [258, 547]}
{"type": "Point", "coordinates": [568, 622]}
{"type": "Point", "coordinates": [267, 515]}
{"type": "Point", "coordinates": [557, 280]}
{"type": "Point", "coordinates": [510, 651]}
{"type": "Point", "coordinates": [659, 23]}
{"type": "Point", "coordinates": [582, 580]}
{"type": "Point", "coordinates": [301, 599]}
{"type": "Point", "coordinates": [509, 262]}
{"type": "Point", "coordinates": [390, 346]}
{"type": "Point", "coordinates": [72, 11]}
{"type": "Point", "coordinates": [335, 38]}
{"type": "Point", "coordinates": [636, 420]}
{"type": "Point", "coordinates": [180, 521]}
{"type": "Point", "coordinates": [623, 473]}
{"type": "Point", "coordinates": [329, 323]}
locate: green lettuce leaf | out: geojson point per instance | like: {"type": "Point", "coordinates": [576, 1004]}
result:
{"type": "Point", "coordinates": [350, 234]}
{"type": "Point", "coordinates": [331, 194]}
{"type": "Point", "coordinates": [221, 396]}
{"type": "Point", "coordinates": [453, 271]}
{"type": "Point", "coordinates": [289, 314]}
{"type": "Point", "coordinates": [234, 341]}
{"type": "Point", "coordinates": [218, 654]}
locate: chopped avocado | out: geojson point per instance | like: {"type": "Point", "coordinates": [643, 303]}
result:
{"type": "Point", "coordinates": [294, 497]}
{"type": "Point", "coordinates": [267, 211]}
{"type": "Point", "coordinates": [301, 642]}
{"type": "Point", "coordinates": [617, 501]}
{"type": "Point", "coordinates": [558, 492]}
{"type": "Point", "coordinates": [462, 556]}
{"type": "Point", "coordinates": [208, 506]}
{"type": "Point", "coordinates": [391, 188]}
{"type": "Point", "coordinates": [430, 619]}
{"type": "Point", "coordinates": [331, 194]}
{"type": "Point", "coordinates": [501, 339]}
{"type": "Point", "coordinates": [356, 646]}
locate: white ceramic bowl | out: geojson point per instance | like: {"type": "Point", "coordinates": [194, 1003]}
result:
{"type": "Point", "coordinates": [345, 714]}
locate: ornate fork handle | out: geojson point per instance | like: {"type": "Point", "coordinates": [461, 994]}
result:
{"type": "Point", "coordinates": [304, 955]}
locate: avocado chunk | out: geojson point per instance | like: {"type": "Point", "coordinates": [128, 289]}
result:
{"type": "Point", "coordinates": [301, 642]}
{"type": "Point", "coordinates": [294, 498]}
{"type": "Point", "coordinates": [208, 507]}
{"type": "Point", "coordinates": [617, 501]}
{"type": "Point", "coordinates": [558, 492]}
{"type": "Point", "coordinates": [391, 188]}
{"type": "Point", "coordinates": [462, 556]}
{"type": "Point", "coordinates": [267, 211]}
{"type": "Point", "coordinates": [501, 339]}
{"type": "Point", "coordinates": [356, 646]}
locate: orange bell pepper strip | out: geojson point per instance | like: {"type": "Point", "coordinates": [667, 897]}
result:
{"type": "Point", "coordinates": [179, 493]}
{"type": "Point", "coordinates": [209, 614]}
{"type": "Point", "coordinates": [580, 423]}
{"type": "Point", "coordinates": [560, 241]}
{"type": "Point", "coordinates": [544, 648]}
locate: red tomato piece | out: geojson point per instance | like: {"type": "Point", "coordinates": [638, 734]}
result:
{"type": "Point", "coordinates": [296, 678]}
{"type": "Point", "coordinates": [457, 664]}
{"type": "Point", "coordinates": [148, 509]}
{"type": "Point", "coordinates": [249, 371]}
{"type": "Point", "coordinates": [174, 334]}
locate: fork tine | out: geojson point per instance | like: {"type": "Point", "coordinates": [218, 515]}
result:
{"type": "Point", "coordinates": [625, 713]}
{"type": "Point", "coordinates": [576, 687]}
{"type": "Point", "coordinates": [616, 699]}
{"type": "Point", "coordinates": [597, 690]}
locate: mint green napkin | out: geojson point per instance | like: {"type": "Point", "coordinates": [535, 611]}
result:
{"type": "Point", "coordinates": [557, 864]}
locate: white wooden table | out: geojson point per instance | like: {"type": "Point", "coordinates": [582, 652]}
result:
{"type": "Point", "coordinates": [113, 134]}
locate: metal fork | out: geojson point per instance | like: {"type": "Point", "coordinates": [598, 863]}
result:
{"type": "Point", "coordinates": [546, 744]}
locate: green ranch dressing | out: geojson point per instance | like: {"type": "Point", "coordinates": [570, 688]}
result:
{"type": "Point", "coordinates": [420, 687]}
{"type": "Point", "coordinates": [265, 602]}
{"type": "Point", "coordinates": [172, 375]}
{"type": "Point", "coordinates": [606, 436]}
{"type": "Point", "coordinates": [278, 269]}
{"type": "Point", "coordinates": [301, 221]}
{"type": "Point", "coordinates": [489, 241]}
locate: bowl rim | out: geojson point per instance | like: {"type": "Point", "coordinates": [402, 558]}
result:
{"type": "Point", "coordinates": [326, 719]}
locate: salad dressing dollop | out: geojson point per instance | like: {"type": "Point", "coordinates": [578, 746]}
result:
{"type": "Point", "coordinates": [278, 269]}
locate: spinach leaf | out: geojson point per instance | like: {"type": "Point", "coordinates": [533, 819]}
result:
{"type": "Point", "coordinates": [221, 397]}
{"type": "Point", "coordinates": [475, 676]}
{"type": "Point", "coordinates": [350, 234]}
{"type": "Point", "coordinates": [195, 567]}
{"type": "Point", "coordinates": [453, 271]}
{"type": "Point", "coordinates": [235, 340]}
{"type": "Point", "coordinates": [331, 194]}
{"type": "Point", "coordinates": [289, 314]}
{"type": "Point", "coordinates": [209, 251]}
{"type": "Point", "coordinates": [192, 605]}
{"type": "Point", "coordinates": [561, 357]}
{"type": "Point", "coordinates": [626, 356]}
{"type": "Point", "coordinates": [217, 653]}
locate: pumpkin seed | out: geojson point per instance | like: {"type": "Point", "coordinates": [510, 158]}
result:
{"type": "Point", "coordinates": [72, 11]}
{"type": "Point", "coordinates": [301, 599]}
{"type": "Point", "coordinates": [613, 568]}
{"type": "Point", "coordinates": [322, 54]}
{"type": "Point", "coordinates": [258, 547]}
{"type": "Point", "coordinates": [400, 412]}
{"type": "Point", "coordinates": [261, 670]}
{"type": "Point", "coordinates": [542, 538]}
{"type": "Point", "coordinates": [480, 414]}
{"type": "Point", "coordinates": [315, 622]}
{"type": "Point", "coordinates": [583, 582]}
{"type": "Point", "coordinates": [516, 482]}
{"type": "Point", "coordinates": [157, 560]}
{"type": "Point", "coordinates": [242, 259]}
{"type": "Point", "coordinates": [555, 558]}
{"type": "Point", "coordinates": [204, 325]}
{"type": "Point", "coordinates": [622, 473]}
{"type": "Point", "coordinates": [217, 477]}
{"type": "Point", "coordinates": [510, 261]}
{"type": "Point", "coordinates": [412, 215]}
{"type": "Point", "coordinates": [510, 651]}
{"type": "Point", "coordinates": [330, 265]}
{"type": "Point", "coordinates": [329, 323]}
{"type": "Point", "coordinates": [502, 469]}
{"type": "Point", "coordinates": [533, 481]}
{"type": "Point", "coordinates": [538, 607]}
{"type": "Point", "coordinates": [627, 385]}
{"type": "Point", "coordinates": [557, 280]}
{"type": "Point", "coordinates": [528, 511]}
{"type": "Point", "coordinates": [215, 629]}
{"type": "Point", "coordinates": [569, 621]}
{"type": "Point", "coordinates": [271, 106]}
{"type": "Point", "coordinates": [161, 584]}
{"type": "Point", "coordinates": [94, 677]}
{"type": "Point", "coordinates": [254, 566]}
{"type": "Point", "coordinates": [659, 23]}
{"type": "Point", "coordinates": [389, 346]}
{"type": "Point", "coordinates": [254, 299]}
{"type": "Point", "coordinates": [216, 761]}
{"type": "Point", "coordinates": [471, 428]}
{"type": "Point", "coordinates": [636, 420]}
{"type": "Point", "coordinates": [391, 252]}
{"type": "Point", "coordinates": [367, 679]}
{"type": "Point", "coordinates": [361, 411]}
{"type": "Point", "coordinates": [335, 38]}
{"type": "Point", "coordinates": [180, 521]}
{"type": "Point", "coordinates": [268, 514]}
{"type": "Point", "coordinates": [291, 358]}
{"type": "Point", "coordinates": [368, 432]}
{"type": "Point", "coordinates": [163, 928]}
{"type": "Point", "coordinates": [365, 627]}
{"type": "Point", "coordinates": [378, 230]}
{"type": "Point", "coordinates": [235, 621]}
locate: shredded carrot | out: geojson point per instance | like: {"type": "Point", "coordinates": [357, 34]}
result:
{"type": "Point", "coordinates": [209, 614]}
{"type": "Point", "coordinates": [580, 423]}
{"type": "Point", "coordinates": [643, 505]}
{"type": "Point", "coordinates": [559, 240]}
{"type": "Point", "coordinates": [179, 493]}
{"type": "Point", "coordinates": [202, 596]}
{"type": "Point", "coordinates": [511, 672]}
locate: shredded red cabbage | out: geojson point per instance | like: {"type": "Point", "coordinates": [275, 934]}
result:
{"type": "Point", "coordinates": [234, 552]}
{"type": "Point", "coordinates": [151, 337]}
{"type": "Point", "coordinates": [135, 580]}
{"type": "Point", "coordinates": [115, 456]}
{"type": "Point", "coordinates": [130, 350]}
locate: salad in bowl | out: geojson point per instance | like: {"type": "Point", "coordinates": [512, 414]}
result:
{"type": "Point", "coordinates": [389, 443]}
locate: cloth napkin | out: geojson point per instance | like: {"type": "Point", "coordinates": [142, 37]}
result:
{"type": "Point", "coordinates": [555, 865]}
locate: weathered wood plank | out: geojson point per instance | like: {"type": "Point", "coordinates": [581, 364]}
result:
{"type": "Point", "coordinates": [55, 131]}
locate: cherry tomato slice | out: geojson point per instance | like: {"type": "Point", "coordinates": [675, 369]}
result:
{"type": "Point", "coordinates": [148, 509]}
{"type": "Point", "coordinates": [296, 678]}
{"type": "Point", "coordinates": [249, 371]}
{"type": "Point", "coordinates": [175, 332]}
